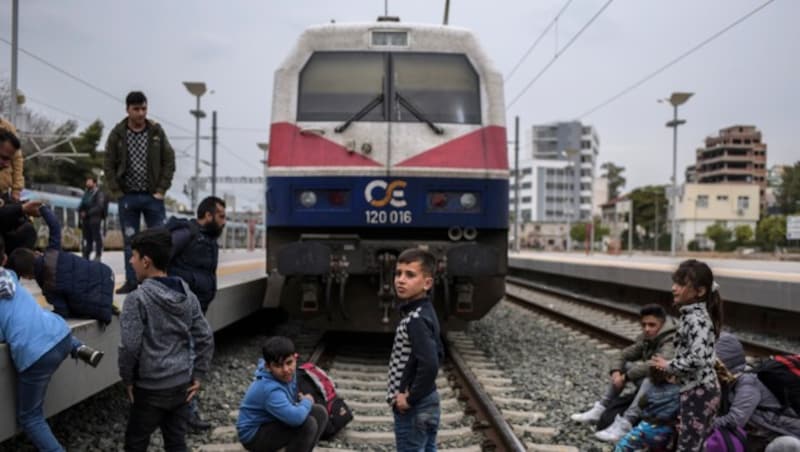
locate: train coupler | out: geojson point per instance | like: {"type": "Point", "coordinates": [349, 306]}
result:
{"type": "Point", "coordinates": [464, 297]}
{"type": "Point", "coordinates": [310, 297]}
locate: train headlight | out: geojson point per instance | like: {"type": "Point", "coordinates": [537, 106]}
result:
{"type": "Point", "coordinates": [468, 200]}
{"type": "Point", "coordinates": [308, 199]}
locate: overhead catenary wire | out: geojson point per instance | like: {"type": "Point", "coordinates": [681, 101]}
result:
{"type": "Point", "coordinates": [558, 54]}
{"type": "Point", "coordinates": [538, 40]}
{"type": "Point", "coordinates": [674, 61]}
{"type": "Point", "coordinates": [86, 83]}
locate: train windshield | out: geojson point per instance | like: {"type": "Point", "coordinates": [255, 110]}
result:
{"type": "Point", "coordinates": [335, 86]}
{"type": "Point", "coordinates": [444, 87]}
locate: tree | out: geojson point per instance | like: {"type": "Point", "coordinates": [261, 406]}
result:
{"type": "Point", "coordinates": [771, 231]}
{"type": "Point", "coordinates": [788, 196]}
{"type": "Point", "coordinates": [743, 233]}
{"type": "Point", "coordinates": [578, 231]}
{"type": "Point", "coordinates": [720, 235]}
{"type": "Point", "coordinates": [69, 170]}
{"type": "Point", "coordinates": [615, 178]}
{"type": "Point", "coordinates": [649, 207]}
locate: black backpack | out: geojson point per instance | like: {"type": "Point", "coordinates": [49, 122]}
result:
{"type": "Point", "coordinates": [781, 375]}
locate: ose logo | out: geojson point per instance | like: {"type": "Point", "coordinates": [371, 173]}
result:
{"type": "Point", "coordinates": [392, 193]}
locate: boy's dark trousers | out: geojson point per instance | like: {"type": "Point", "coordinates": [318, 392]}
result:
{"type": "Point", "coordinates": [275, 435]}
{"type": "Point", "coordinates": [164, 408]}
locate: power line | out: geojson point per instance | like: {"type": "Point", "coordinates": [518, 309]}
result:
{"type": "Point", "coordinates": [245, 129]}
{"type": "Point", "coordinates": [231, 151]}
{"type": "Point", "coordinates": [673, 61]}
{"type": "Point", "coordinates": [558, 54]}
{"type": "Point", "coordinates": [86, 83]}
{"type": "Point", "coordinates": [63, 112]}
{"type": "Point", "coordinates": [536, 42]}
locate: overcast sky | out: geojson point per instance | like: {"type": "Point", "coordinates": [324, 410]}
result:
{"type": "Point", "coordinates": [750, 75]}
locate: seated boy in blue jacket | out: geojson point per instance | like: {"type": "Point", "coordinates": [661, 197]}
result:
{"type": "Point", "coordinates": [76, 287]}
{"type": "Point", "coordinates": [660, 405]}
{"type": "Point", "coordinates": [273, 414]}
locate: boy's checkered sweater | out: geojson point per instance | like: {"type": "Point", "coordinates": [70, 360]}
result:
{"type": "Point", "coordinates": [416, 353]}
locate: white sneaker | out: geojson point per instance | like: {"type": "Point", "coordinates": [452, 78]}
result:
{"type": "Point", "coordinates": [591, 416]}
{"type": "Point", "coordinates": [615, 431]}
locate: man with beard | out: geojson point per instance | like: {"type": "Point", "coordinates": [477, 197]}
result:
{"type": "Point", "coordinates": [194, 257]}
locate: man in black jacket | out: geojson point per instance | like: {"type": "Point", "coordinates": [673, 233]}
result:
{"type": "Point", "coordinates": [194, 258]}
{"type": "Point", "coordinates": [92, 211]}
{"type": "Point", "coordinates": [416, 355]}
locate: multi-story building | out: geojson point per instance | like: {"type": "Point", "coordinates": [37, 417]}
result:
{"type": "Point", "coordinates": [560, 173]}
{"type": "Point", "coordinates": [736, 156]}
{"type": "Point", "coordinates": [701, 205]}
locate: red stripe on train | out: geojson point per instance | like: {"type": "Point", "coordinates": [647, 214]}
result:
{"type": "Point", "coordinates": [288, 147]}
{"type": "Point", "coordinates": [483, 148]}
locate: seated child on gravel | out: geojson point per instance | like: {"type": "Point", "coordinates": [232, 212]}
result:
{"type": "Point", "coordinates": [659, 406]}
{"type": "Point", "coordinates": [273, 414]}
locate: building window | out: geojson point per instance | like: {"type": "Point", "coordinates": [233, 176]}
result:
{"type": "Point", "coordinates": [586, 173]}
{"type": "Point", "coordinates": [526, 215]}
{"type": "Point", "coordinates": [586, 159]}
{"type": "Point", "coordinates": [743, 202]}
{"type": "Point", "coordinates": [526, 171]}
{"type": "Point", "coordinates": [586, 186]}
{"type": "Point", "coordinates": [526, 199]}
{"type": "Point", "coordinates": [526, 185]}
{"type": "Point", "coordinates": [722, 197]}
{"type": "Point", "coordinates": [586, 144]}
{"type": "Point", "coordinates": [702, 201]}
{"type": "Point", "coordinates": [586, 200]}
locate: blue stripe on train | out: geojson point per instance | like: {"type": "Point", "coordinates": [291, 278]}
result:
{"type": "Point", "coordinates": [386, 202]}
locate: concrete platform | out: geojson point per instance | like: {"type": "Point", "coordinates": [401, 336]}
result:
{"type": "Point", "coordinates": [770, 284]}
{"type": "Point", "coordinates": [242, 284]}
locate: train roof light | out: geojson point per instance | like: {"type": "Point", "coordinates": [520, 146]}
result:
{"type": "Point", "coordinates": [387, 38]}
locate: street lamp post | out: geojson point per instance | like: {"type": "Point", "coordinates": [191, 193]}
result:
{"type": "Point", "coordinates": [265, 147]}
{"type": "Point", "coordinates": [196, 89]}
{"type": "Point", "coordinates": [676, 99]}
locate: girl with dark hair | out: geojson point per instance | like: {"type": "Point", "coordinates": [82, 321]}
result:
{"type": "Point", "coordinates": [697, 296]}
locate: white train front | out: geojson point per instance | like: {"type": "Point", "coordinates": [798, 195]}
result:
{"type": "Point", "coordinates": [384, 136]}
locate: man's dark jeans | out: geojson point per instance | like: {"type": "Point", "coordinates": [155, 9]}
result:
{"type": "Point", "coordinates": [92, 238]}
{"type": "Point", "coordinates": [275, 435]}
{"type": "Point", "coordinates": [166, 409]}
{"type": "Point", "coordinates": [131, 208]}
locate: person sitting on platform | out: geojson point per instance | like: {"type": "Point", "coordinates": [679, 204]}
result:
{"type": "Point", "coordinates": [76, 287]}
{"type": "Point", "coordinates": [39, 341]}
{"type": "Point", "coordinates": [273, 414]}
{"type": "Point", "coordinates": [632, 366]}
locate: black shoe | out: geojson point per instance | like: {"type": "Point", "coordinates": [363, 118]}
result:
{"type": "Point", "coordinates": [89, 355]}
{"type": "Point", "coordinates": [197, 423]}
{"type": "Point", "coordinates": [128, 287]}
{"type": "Point", "coordinates": [115, 310]}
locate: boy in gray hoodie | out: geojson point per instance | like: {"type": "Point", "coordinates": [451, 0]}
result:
{"type": "Point", "coordinates": [161, 323]}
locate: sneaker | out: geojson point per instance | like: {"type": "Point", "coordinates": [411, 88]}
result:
{"type": "Point", "coordinates": [89, 355]}
{"type": "Point", "coordinates": [615, 431]}
{"type": "Point", "coordinates": [591, 416]}
{"type": "Point", "coordinates": [197, 423]}
{"type": "Point", "coordinates": [128, 287]}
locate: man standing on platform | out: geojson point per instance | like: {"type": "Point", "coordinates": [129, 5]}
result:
{"type": "Point", "coordinates": [139, 166]}
{"type": "Point", "coordinates": [92, 211]}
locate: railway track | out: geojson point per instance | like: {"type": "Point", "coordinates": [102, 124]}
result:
{"type": "Point", "coordinates": [481, 408]}
{"type": "Point", "coordinates": [614, 323]}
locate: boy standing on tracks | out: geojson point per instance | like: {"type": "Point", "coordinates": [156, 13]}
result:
{"type": "Point", "coordinates": [416, 355]}
{"type": "Point", "coordinates": [165, 346]}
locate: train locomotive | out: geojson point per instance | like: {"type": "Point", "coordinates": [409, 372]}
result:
{"type": "Point", "coordinates": [385, 136]}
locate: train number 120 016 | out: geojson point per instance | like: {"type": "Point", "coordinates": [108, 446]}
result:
{"type": "Point", "coordinates": [388, 217]}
